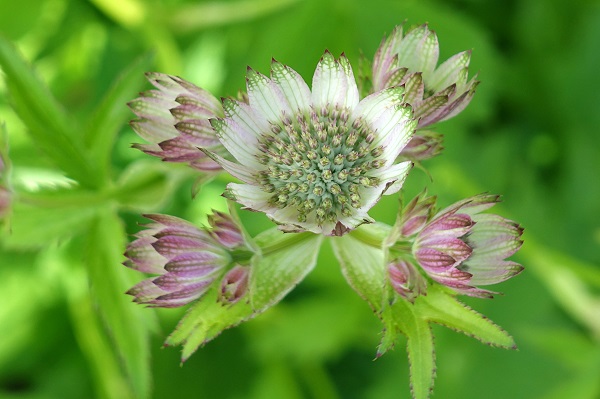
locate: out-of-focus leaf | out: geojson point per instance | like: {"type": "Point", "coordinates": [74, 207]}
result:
{"type": "Point", "coordinates": [35, 227]}
{"type": "Point", "coordinates": [49, 127]}
{"type": "Point", "coordinates": [127, 323]}
{"type": "Point", "coordinates": [92, 339]}
{"type": "Point", "coordinates": [111, 114]}
{"type": "Point", "coordinates": [146, 184]}
{"type": "Point", "coordinates": [196, 16]}
{"type": "Point", "coordinates": [273, 275]}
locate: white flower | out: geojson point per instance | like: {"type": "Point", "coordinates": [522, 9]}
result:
{"type": "Point", "coordinates": [319, 159]}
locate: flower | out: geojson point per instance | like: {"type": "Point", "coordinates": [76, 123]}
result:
{"type": "Point", "coordinates": [425, 144]}
{"type": "Point", "coordinates": [314, 160]}
{"type": "Point", "coordinates": [175, 119]}
{"type": "Point", "coordinates": [234, 284]}
{"type": "Point", "coordinates": [436, 94]}
{"type": "Point", "coordinates": [406, 279]}
{"type": "Point", "coordinates": [186, 258]}
{"type": "Point", "coordinates": [462, 248]}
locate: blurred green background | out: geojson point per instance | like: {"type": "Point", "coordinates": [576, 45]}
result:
{"type": "Point", "coordinates": [531, 133]}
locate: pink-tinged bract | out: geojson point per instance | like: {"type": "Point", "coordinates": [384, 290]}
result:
{"type": "Point", "coordinates": [187, 259]}
{"type": "Point", "coordinates": [174, 118]}
{"type": "Point", "coordinates": [435, 93]}
{"type": "Point", "coordinates": [462, 248]}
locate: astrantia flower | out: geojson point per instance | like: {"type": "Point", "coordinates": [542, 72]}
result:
{"type": "Point", "coordinates": [186, 258]}
{"type": "Point", "coordinates": [314, 160]}
{"type": "Point", "coordinates": [175, 119]}
{"type": "Point", "coordinates": [435, 94]}
{"type": "Point", "coordinates": [463, 248]}
{"type": "Point", "coordinates": [406, 279]}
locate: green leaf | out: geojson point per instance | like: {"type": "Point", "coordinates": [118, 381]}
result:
{"type": "Point", "coordinates": [35, 226]}
{"type": "Point", "coordinates": [146, 185]}
{"type": "Point", "coordinates": [420, 347]}
{"type": "Point", "coordinates": [112, 113]}
{"type": "Point", "coordinates": [286, 259]}
{"type": "Point", "coordinates": [126, 322]}
{"type": "Point", "coordinates": [442, 308]}
{"type": "Point", "coordinates": [49, 127]}
{"type": "Point", "coordinates": [363, 267]}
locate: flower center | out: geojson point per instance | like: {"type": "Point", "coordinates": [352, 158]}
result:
{"type": "Point", "coordinates": [319, 162]}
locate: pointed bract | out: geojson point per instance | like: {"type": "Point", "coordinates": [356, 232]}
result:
{"type": "Point", "coordinates": [187, 259]}
{"type": "Point", "coordinates": [436, 94]}
{"type": "Point", "coordinates": [174, 118]}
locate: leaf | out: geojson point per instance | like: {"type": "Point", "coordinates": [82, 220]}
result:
{"type": "Point", "coordinates": [146, 185]}
{"type": "Point", "coordinates": [286, 259]}
{"type": "Point", "coordinates": [420, 347]}
{"type": "Point", "coordinates": [198, 16]}
{"type": "Point", "coordinates": [35, 226]}
{"type": "Point", "coordinates": [442, 308]}
{"type": "Point", "coordinates": [363, 267]}
{"type": "Point", "coordinates": [126, 322]}
{"type": "Point", "coordinates": [49, 127]}
{"type": "Point", "coordinates": [111, 114]}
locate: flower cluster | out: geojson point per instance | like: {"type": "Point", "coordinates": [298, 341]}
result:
{"type": "Point", "coordinates": [459, 246]}
{"type": "Point", "coordinates": [187, 259]}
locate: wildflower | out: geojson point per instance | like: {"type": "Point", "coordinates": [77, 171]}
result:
{"type": "Point", "coordinates": [175, 119]}
{"type": "Point", "coordinates": [425, 144]}
{"type": "Point", "coordinates": [186, 258]}
{"type": "Point", "coordinates": [462, 248]}
{"type": "Point", "coordinates": [314, 160]}
{"type": "Point", "coordinates": [435, 94]}
{"type": "Point", "coordinates": [234, 284]}
{"type": "Point", "coordinates": [406, 279]}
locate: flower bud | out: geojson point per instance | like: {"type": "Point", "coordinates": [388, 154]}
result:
{"type": "Point", "coordinates": [425, 144]}
{"type": "Point", "coordinates": [234, 284]}
{"type": "Point", "coordinates": [461, 248]}
{"type": "Point", "coordinates": [406, 279]}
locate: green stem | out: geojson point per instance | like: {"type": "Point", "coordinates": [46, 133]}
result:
{"type": "Point", "coordinates": [285, 241]}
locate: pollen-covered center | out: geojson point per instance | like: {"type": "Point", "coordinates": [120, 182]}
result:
{"type": "Point", "coordinates": [319, 161]}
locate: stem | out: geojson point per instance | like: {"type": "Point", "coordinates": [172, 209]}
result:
{"type": "Point", "coordinates": [285, 241]}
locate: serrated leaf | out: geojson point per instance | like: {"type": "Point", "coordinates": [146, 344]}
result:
{"type": "Point", "coordinates": [363, 267]}
{"type": "Point", "coordinates": [111, 114]}
{"type": "Point", "coordinates": [127, 323]}
{"type": "Point", "coordinates": [440, 307]}
{"type": "Point", "coordinates": [287, 259]}
{"type": "Point", "coordinates": [49, 127]}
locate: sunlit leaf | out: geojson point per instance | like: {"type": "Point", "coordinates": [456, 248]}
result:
{"type": "Point", "coordinates": [112, 114]}
{"type": "Point", "coordinates": [48, 125]}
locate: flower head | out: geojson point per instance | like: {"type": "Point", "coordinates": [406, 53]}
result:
{"type": "Point", "coordinates": [406, 279]}
{"type": "Point", "coordinates": [186, 258]}
{"type": "Point", "coordinates": [174, 118]}
{"type": "Point", "coordinates": [314, 160]}
{"type": "Point", "coordinates": [462, 248]}
{"type": "Point", "coordinates": [435, 94]}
